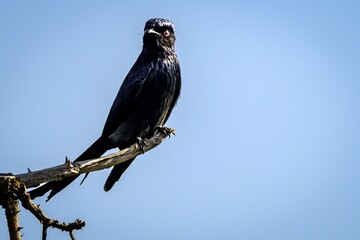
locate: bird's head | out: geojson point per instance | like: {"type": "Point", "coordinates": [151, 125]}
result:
{"type": "Point", "coordinates": [159, 35]}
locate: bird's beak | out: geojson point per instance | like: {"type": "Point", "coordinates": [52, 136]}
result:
{"type": "Point", "coordinates": [152, 31]}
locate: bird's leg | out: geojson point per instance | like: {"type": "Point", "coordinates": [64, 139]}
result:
{"type": "Point", "coordinates": [165, 131]}
{"type": "Point", "coordinates": [141, 143]}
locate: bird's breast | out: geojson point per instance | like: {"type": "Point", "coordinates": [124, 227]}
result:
{"type": "Point", "coordinates": [161, 89]}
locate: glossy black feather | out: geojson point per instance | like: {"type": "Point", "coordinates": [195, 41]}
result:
{"type": "Point", "coordinates": [145, 101]}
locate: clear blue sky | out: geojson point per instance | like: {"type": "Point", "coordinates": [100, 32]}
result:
{"type": "Point", "coordinates": [268, 131]}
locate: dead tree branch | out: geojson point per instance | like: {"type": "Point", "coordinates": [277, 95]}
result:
{"type": "Point", "coordinates": [13, 188]}
{"type": "Point", "coordinates": [10, 203]}
{"type": "Point", "coordinates": [17, 190]}
{"type": "Point", "coordinates": [32, 179]}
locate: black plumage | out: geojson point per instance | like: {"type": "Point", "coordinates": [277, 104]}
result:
{"type": "Point", "coordinates": [144, 102]}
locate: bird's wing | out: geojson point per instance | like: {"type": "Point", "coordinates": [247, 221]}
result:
{"type": "Point", "coordinates": [177, 92]}
{"type": "Point", "coordinates": [124, 101]}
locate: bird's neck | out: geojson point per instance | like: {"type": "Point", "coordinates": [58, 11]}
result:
{"type": "Point", "coordinates": [162, 52]}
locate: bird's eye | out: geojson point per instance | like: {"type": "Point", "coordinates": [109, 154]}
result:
{"type": "Point", "coordinates": [166, 33]}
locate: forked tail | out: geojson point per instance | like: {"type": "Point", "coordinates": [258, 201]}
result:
{"type": "Point", "coordinates": [98, 148]}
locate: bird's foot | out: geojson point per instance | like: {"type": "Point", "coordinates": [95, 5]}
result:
{"type": "Point", "coordinates": [165, 131]}
{"type": "Point", "coordinates": [141, 143]}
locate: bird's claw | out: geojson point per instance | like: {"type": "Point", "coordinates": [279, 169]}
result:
{"type": "Point", "coordinates": [141, 143]}
{"type": "Point", "coordinates": [166, 131]}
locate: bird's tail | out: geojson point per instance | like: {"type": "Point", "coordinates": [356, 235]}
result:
{"type": "Point", "coordinates": [97, 149]}
{"type": "Point", "coordinates": [116, 173]}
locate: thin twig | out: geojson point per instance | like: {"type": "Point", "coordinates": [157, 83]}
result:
{"type": "Point", "coordinates": [27, 203]}
{"type": "Point", "coordinates": [19, 191]}
{"type": "Point", "coordinates": [44, 232]}
{"type": "Point", "coordinates": [72, 236]}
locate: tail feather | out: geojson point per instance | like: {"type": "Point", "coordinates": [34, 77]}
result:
{"type": "Point", "coordinates": [116, 173]}
{"type": "Point", "coordinates": [98, 148]}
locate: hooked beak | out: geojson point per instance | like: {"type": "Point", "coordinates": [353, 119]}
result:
{"type": "Point", "coordinates": [152, 31]}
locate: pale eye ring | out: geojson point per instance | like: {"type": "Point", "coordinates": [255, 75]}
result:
{"type": "Point", "coordinates": [166, 33]}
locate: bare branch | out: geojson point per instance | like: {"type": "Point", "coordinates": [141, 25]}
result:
{"type": "Point", "coordinates": [17, 190]}
{"type": "Point", "coordinates": [68, 169]}
{"type": "Point", "coordinates": [27, 203]}
{"type": "Point", "coordinates": [44, 232]}
{"type": "Point", "coordinates": [13, 188]}
{"type": "Point", "coordinates": [10, 203]}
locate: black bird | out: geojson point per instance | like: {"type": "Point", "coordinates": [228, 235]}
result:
{"type": "Point", "coordinates": [143, 104]}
